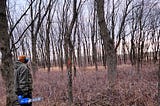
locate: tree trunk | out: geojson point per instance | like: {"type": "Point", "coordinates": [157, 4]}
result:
{"type": "Point", "coordinates": [54, 61]}
{"type": "Point", "coordinates": [79, 57]}
{"type": "Point", "coordinates": [33, 40]}
{"type": "Point", "coordinates": [132, 51]}
{"type": "Point", "coordinates": [93, 31]}
{"type": "Point", "coordinates": [7, 70]}
{"type": "Point", "coordinates": [85, 56]}
{"type": "Point", "coordinates": [124, 50]}
{"type": "Point", "coordinates": [34, 33]}
{"type": "Point", "coordinates": [103, 56]}
{"type": "Point", "coordinates": [140, 17]}
{"type": "Point", "coordinates": [142, 52]}
{"type": "Point", "coordinates": [47, 43]}
{"type": "Point", "coordinates": [108, 44]}
{"type": "Point", "coordinates": [34, 56]}
{"type": "Point", "coordinates": [68, 48]}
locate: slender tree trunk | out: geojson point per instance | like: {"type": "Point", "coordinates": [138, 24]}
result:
{"type": "Point", "coordinates": [142, 53]}
{"type": "Point", "coordinates": [85, 56]}
{"type": "Point", "coordinates": [23, 48]}
{"type": "Point", "coordinates": [7, 70]}
{"type": "Point", "coordinates": [61, 57]}
{"type": "Point", "coordinates": [34, 56]}
{"type": "Point", "coordinates": [68, 61]}
{"type": "Point", "coordinates": [79, 51]}
{"type": "Point", "coordinates": [43, 59]}
{"type": "Point", "coordinates": [104, 56]}
{"type": "Point", "coordinates": [93, 33]}
{"type": "Point", "coordinates": [138, 59]}
{"type": "Point", "coordinates": [54, 52]}
{"type": "Point", "coordinates": [68, 48]}
{"type": "Point", "coordinates": [132, 51]}
{"type": "Point", "coordinates": [124, 50]}
{"type": "Point", "coordinates": [35, 31]}
{"type": "Point", "coordinates": [140, 38]}
{"type": "Point", "coordinates": [47, 43]}
{"type": "Point", "coordinates": [88, 55]}
{"type": "Point", "coordinates": [108, 44]}
{"type": "Point", "coordinates": [33, 40]}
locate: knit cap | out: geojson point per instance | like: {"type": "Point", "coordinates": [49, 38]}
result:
{"type": "Point", "coordinates": [22, 58]}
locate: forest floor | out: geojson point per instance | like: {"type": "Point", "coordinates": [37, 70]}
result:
{"type": "Point", "coordinates": [90, 87]}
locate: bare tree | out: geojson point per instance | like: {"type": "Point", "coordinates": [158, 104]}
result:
{"type": "Point", "coordinates": [7, 63]}
{"type": "Point", "coordinates": [35, 30]}
{"type": "Point", "coordinates": [79, 56]}
{"type": "Point", "coordinates": [68, 47]}
{"type": "Point", "coordinates": [140, 31]}
{"type": "Point", "coordinates": [122, 25]}
{"type": "Point", "coordinates": [133, 30]}
{"type": "Point", "coordinates": [48, 30]}
{"type": "Point", "coordinates": [108, 43]}
{"type": "Point", "coordinates": [93, 37]}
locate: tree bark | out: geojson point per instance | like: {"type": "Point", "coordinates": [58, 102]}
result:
{"type": "Point", "coordinates": [93, 33]}
{"type": "Point", "coordinates": [33, 40]}
{"type": "Point", "coordinates": [7, 70]}
{"type": "Point", "coordinates": [47, 43]}
{"type": "Point", "coordinates": [79, 51]}
{"type": "Point", "coordinates": [124, 50]}
{"type": "Point", "coordinates": [68, 48]}
{"type": "Point", "coordinates": [34, 33]}
{"type": "Point", "coordinates": [108, 44]}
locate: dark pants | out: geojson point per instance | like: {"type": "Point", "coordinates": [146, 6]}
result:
{"type": "Point", "coordinates": [27, 96]}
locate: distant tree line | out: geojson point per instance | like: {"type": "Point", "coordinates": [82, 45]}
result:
{"type": "Point", "coordinates": [133, 27]}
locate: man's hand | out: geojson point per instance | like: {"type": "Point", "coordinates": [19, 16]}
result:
{"type": "Point", "coordinates": [19, 92]}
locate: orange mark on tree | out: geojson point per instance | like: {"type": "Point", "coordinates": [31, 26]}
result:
{"type": "Point", "coordinates": [69, 62]}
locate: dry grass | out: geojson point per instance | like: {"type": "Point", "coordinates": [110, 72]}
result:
{"type": "Point", "coordinates": [90, 88]}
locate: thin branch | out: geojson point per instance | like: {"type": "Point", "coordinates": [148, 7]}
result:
{"type": "Point", "coordinates": [10, 33]}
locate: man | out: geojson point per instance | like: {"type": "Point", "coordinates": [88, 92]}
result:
{"type": "Point", "coordinates": [23, 78]}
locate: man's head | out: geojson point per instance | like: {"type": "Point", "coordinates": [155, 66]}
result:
{"type": "Point", "coordinates": [23, 59]}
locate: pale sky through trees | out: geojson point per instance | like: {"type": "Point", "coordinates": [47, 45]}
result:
{"type": "Point", "coordinates": [17, 7]}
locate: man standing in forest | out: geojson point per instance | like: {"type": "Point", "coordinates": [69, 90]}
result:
{"type": "Point", "coordinates": [23, 78]}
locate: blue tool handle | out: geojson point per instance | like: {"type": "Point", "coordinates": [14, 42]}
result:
{"type": "Point", "coordinates": [22, 100]}
{"type": "Point", "coordinates": [20, 97]}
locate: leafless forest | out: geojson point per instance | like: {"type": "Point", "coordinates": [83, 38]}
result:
{"type": "Point", "coordinates": [83, 52]}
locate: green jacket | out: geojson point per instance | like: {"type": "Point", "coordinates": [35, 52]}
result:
{"type": "Point", "coordinates": [23, 78]}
